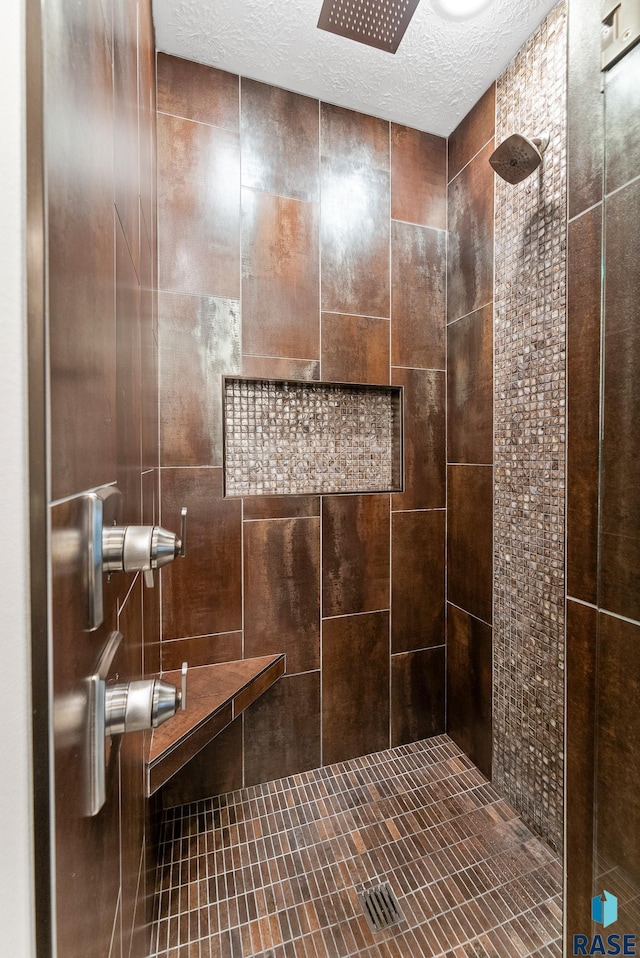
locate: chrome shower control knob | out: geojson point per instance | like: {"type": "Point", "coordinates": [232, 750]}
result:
{"type": "Point", "coordinates": [142, 548]}
{"type": "Point", "coordinates": [139, 706]}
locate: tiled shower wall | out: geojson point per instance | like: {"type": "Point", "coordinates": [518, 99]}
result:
{"type": "Point", "coordinates": [99, 130]}
{"type": "Point", "coordinates": [603, 497]}
{"type": "Point", "coordinates": [529, 423]}
{"type": "Point", "coordinates": [506, 354]}
{"type": "Point", "coordinates": [299, 240]}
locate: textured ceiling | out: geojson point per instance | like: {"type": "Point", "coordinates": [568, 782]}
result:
{"type": "Point", "coordinates": [441, 68]}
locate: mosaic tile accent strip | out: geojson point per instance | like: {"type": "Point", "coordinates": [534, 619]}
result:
{"type": "Point", "coordinates": [530, 324]}
{"type": "Point", "coordinates": [288, 438]}
{"type": "Point", "coordinates": [275, 870]}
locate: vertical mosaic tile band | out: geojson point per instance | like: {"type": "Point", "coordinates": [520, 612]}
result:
{"type": "Point", "coordinates": [530, 297]}
{"type": "Point", "coordinates": [301, 438]}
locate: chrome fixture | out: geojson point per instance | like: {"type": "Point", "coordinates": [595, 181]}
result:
{"type": "Point", "coordinates": [518, 156]}
{"type": "Point", "coordinates": [115, 708]}
{"type": "Point", "coordinates": [116, 548]}
{"type": "Point", "coordinates": [620, 29]}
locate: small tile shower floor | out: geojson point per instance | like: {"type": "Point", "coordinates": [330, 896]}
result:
{"type": "Point", "coordinates": [274, 870]}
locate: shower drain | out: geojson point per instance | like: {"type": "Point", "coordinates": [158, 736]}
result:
{"type": "Point", "coordinates": [380, 907]}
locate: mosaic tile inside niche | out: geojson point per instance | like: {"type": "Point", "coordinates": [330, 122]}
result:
{"type": "Point", "coordinates": [274, 870]}
{"type": "Point", "coordinates": [289, 438]}
{"type": "Point", "coordinates": [530, 299]}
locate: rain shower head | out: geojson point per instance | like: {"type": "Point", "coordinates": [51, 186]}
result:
{"type": "Point", "coordinates": [517, 157]}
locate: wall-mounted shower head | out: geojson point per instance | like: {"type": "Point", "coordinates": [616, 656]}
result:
{"type": "Point", "coordinates": [518, 156]}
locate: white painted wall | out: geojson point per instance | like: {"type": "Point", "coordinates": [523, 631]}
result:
{"type": "Point", "coordinates": [16, 895]}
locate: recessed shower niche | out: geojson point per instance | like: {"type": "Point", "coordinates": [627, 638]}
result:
{"type": "Point", "coordinates": [285, 437]}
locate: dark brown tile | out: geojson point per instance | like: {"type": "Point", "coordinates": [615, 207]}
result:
{"type": "Point", "coordinates": [354, 239]}
{"type": "Point", "coordinates": [125, 110]}
{"type": "Point", "coordinates": [470, 539]}
{"type": "Point", "coordinates": [281, 507]}
{"type": "Point", "coordinates": [417, 580]}
{"type": "Point", "coordinates": [418, 177]}
{"type": "Point", "coordinates": [620, 508]}
{"type": "Point", "coordinates": [128, 383]}
{"type": "Point", "coordinates": [282, 590]}
{"type": "Point", "coordinates": [470, 388]}
{"type": "Point", "coordinates": [355, 554]}
{"type": "Point", "coordinates": [583, 403]}
{"type": "Point", "coordinates": [202, 650]}
{"type": "Point", "coordinates": [199, 342]}
{"type": "Point", "coordinates": [147, 124]}
{"type": "Point", "coordinates": [201, 594]}
{"type": "Point", "coordinates": [148, 357]}
{"type": "Point", "coordinates": [268, 367]}
{"type": "Point", "coordinates": [585, 106]}
{"type": "Point", "coordinates": [622, 121]}
{"type": "Point", "coordinates": [580, 747]}
{"type": "Point", "coordinates": [471, 134]}
{"type": "Point", "coordinates": [274, 746]}
{"type": "Point", "coordinates": [418, 281]}
{"type": "Point", "coordinates": [424, 438]}
{"type": "Point", "coordinates": [280, 308]}
{"type": "Point", "coordinates": [214, 770]}
{"type": "Point", "coordinates": [469, 686]}
{"type": "Point", "coordinates": [355, 674]}
{"type": "Point", "coordinates": [618, 746]}
{"type": "Point", "coordinates": [355, 349]}
{"type": "Point", "coordinates": [198, 92]}
{"type": "Point", "coordinates": [82, 330]}
{"type": "Point", "coordinates": [417, 695]}
{"type": "Point", "coordinates": [470, 252]}
{"type": "Point", "coordinates": [198, 208]}
{"type": "Point", "coordinates": [361, 139]}
{"type": "Point", "coordinates": [280, 141]}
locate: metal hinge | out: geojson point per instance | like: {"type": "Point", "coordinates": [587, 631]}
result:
{"type": "Point", "coordinates": [620, 29]}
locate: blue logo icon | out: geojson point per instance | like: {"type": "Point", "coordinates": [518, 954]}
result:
{"type": "Point", "coordinates": [604, 909]}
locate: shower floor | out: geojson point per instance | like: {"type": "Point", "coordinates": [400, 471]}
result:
{"type": "Point", "coordinates": [274, 870]}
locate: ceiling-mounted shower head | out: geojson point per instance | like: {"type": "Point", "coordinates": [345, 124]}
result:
{"type": "Point", "coordinates": [518, 156]}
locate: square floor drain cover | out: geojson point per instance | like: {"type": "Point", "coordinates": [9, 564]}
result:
{"type": "Point", "coordinates": [380, 907]}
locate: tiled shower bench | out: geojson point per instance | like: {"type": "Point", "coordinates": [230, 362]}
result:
{"type": "Point", "coordinates": [216, 695]}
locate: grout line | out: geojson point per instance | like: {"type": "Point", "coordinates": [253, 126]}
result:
{"type": "Point", "coordinates": [422, 226]}
{"type": "Point", "coordinates": [478, 309]}
{"type": "Point", "coordinates": [475, 155]}
{"type": "Point", "coordinates": [190, 119]}
{"type": "Point", "coordinates": [285, 518]}
{"type": "Point", "coordinates": [350, 615]}
{"type": "Point", "coordinates": [589, 209]}
{"type": "Point", "coordinates": [471, 614]}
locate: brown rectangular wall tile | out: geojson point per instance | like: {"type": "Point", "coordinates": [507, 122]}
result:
{"type": "Point", "coordinates": [361, 139]}
{"type": "Point", "coordinates": [355, 554]}
{"type": "Point", "coordinates": [418, 281]}
{"type": "Point", "coordinates": [198, 92]}
{"type": "Point", "coordinates": [355, 349]}
{"type": "Point", "coordinates": [280, 141]}
{"type": "Point", "coordinates": [470, 539]}
{"type": "Point", "coordinates": [473, 132]}
{"type": "Point", "coordinates": [148, 355]}
{"type": "Point", "coordinates": [585, 102]}
{"type": "Point", "coordinates": [201, 594]}
{"type": "Point", "coordinates": [126, 139]}
{"type": "Point", "coordinates": [469, 686]}
{"type": "Point", "coordinates": [199, 342]}
{"type": "Point", "coordinates": [470, 388]}
{"type": "Point", "coordinates": [355, 686]}
{"type": "Point", "coordinates": [282, 590]}
{"type": "Point", "coordinates": [622, 123]}
{"type": "Point", "coordinates": [354, 239]}
{"type": "Point", "coordinates": [82, 331]}
{"type": "Point", "coordinates": [618, 747]}
{"type": "Point", "coordinates": [282, 729]}
{"type": "Point", "coordinates": [417, 580]}
{"type": "Point", "coordinates": [424, 438]}
{"type": "Point", "coordinates": [620, 517]}
{"type": "Point", "coordinates": [201, 650]}
{"type": "Point", "coordinates": [214, 770]}
{"type": "Point", "coordinates": [279, 276]}
{"type": "Point", "coordinates": [128, 381]}
{"type": "Point", "coordinates": [198, 208]}
{"type": "Point", "coordinates": [151, 597]}
{"type": "Point", "coordinates": [268, 367]}
{"type": "Point", "coordinates": [583, 403]}
{"type": "Point", "coordinates": [582, 623]}
{"type": "Point", "coordinates": [281, 507]}
{"type": "Point", "coordinates": [470, 253]}
{"type": "Point", "coordinates": [418, 177]}
{"type": "Point", "coordinates": [417, 695]}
